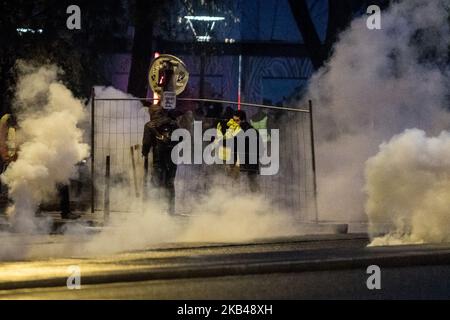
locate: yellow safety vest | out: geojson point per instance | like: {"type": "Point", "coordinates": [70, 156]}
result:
{"type": "Point", "coordinates": [232, 131]}
{"type": "Point", "coordinates": [261, 126]}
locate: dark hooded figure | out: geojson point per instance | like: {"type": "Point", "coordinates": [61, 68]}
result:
{"type": "Point", "coordinates": [157, 138]}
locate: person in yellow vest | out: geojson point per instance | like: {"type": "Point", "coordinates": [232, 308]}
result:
{"type": "Point", "coordinates": [227, 130]}
{"type": "Point", "coordinates": [237, 160]}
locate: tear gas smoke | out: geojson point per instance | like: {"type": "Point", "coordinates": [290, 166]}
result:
{"type": "Point", "coordinates": [408, 188]}
{"type": "Point", "coordinates": [50, 143]}
{"type": "Point", "coordinates": [377, 84]}
{"type": "Point", "coordinates": [220, 215]}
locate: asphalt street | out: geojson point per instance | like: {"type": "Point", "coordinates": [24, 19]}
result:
{"type": "Point", "coordinates": [306, 267]}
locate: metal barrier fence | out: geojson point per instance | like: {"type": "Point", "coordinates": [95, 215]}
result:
{"type": "Point", "coordinates": [117, 128]}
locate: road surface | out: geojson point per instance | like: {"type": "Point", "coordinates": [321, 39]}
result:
{"type": "Point", "coordinates": [307, 267]}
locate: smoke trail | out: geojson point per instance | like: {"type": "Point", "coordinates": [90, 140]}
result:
{"type": "Point", "coordinates": [377, 84]}
{"type": "Point", "coordinates": [50, 142]}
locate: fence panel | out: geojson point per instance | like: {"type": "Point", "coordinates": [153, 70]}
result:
{"type": "Point", "coordinates": [119, 125]}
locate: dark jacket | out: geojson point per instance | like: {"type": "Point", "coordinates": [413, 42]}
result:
{"type": "Point", "coordinates": [244, 153]}
{"type": "Point", "coordinates": [157, 133]}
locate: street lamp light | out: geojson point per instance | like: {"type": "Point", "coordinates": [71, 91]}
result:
{"type": "Point", "coordinates": [28, 30]}
{"type": "Point", "coordinates": [204, 18]}
{"type": "Point", "coordinates": [209, 28]}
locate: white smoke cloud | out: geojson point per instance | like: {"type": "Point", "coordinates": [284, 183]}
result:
{"type": "Point", "coordinates": [377, 84]}
{"type": "Point", "coordinates": [408, 189]}
{"type": "Point", "coordinates": [227, 216]}
{"type": "Point", "coordinates": [50, 142]}
{"type": "Point", "coordinates": [220, 215]}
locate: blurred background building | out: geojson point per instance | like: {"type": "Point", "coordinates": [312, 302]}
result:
{"type": "Point", "coordinates": [236, 50]}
